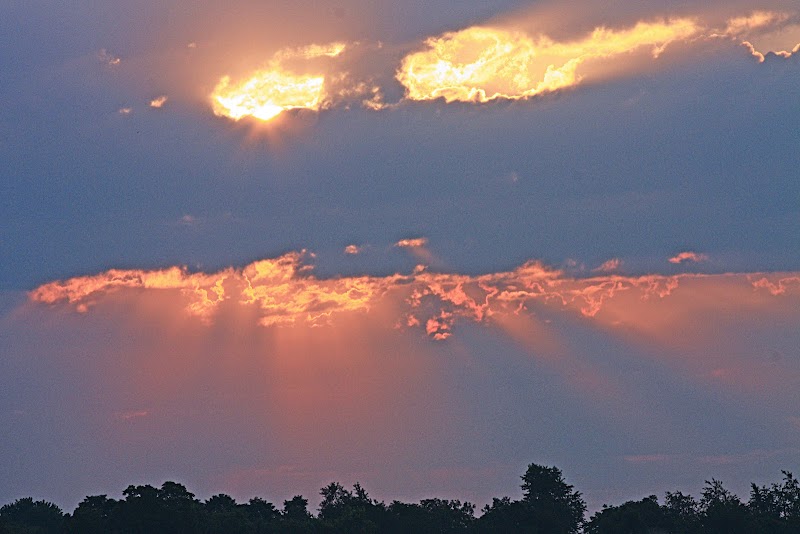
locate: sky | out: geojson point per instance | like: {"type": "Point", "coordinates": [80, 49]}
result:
{"type": "Point", "coordinates": [256, 247]}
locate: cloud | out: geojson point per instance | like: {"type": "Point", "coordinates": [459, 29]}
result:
{"type": "Point", "coordinates": [283, 291]}
{"type": "Point", "coordinates": [686, 257]}
{"type": "Point", "coordinates": [649, 458]}
{"type": "Point", "coordinates": [508, 60]}
{"type": "Point", "coordinates": [188, 220]}
{"type": "Point", "coordinates": [352, 249]}
{"type": "Point", "coordinates": [158, 102]}
{"type": "Point", "coordinates": [778, 286]}
{"type": "Point", "coordinates": [292, 79]}
{"type": "Point", "coordinates": [108, 58]}
{"type": "Point", "coordinates": [609, 266]}
{"type": "Point", "coordinates": [417, 242]}
{"type": "Point", "coordinates": [755, 21]}
{"type": "Point", "coordinates": [125, 111]}
{"type": "Point", "coordinates": [761, 57]}
{"type": "Point", "coordinates": [485, 63]}
{"type": "Point", "coordinates": [136, 414]}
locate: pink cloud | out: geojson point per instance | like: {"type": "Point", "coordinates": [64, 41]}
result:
{"type": "Point", "coordinates": [685, 257]}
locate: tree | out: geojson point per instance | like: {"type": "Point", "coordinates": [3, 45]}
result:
{"type": "Point", "coordinates": [222, 514]}
{"type": "Point", "coordinates": [171, 508]}
{"type": "Point", "coordinates": [445, 516]}
{"type": "Point", "coordinates": [553, 505]}
{"type": "Point", "coordinates": [504, 515]}
{"type": "Point", "coordinates": [432, 516]}
{"type": "Point", "coordinates": [351, 511]}
{"type": "Point", "coordinates": [29, 516]}
{"type": "Point", "coordinates": [722, 511]}
{"type": "Point", "coordinates": [262, 515]}
{"type": "Point", "coordinates": [296, 517]}
{"type": "Point", "coordinates": [776, 508]}
{"type": "Point", "coordinates": [93, 515]}
{"type": "Point", "coordinates": [682, 511]}
{"type": "Point", "coordinates": [633, 517]}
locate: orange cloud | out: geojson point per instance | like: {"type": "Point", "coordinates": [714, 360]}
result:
{"type": "Point", "coordinates": [352, 249]}
{"type": "Point", "coordinates": [283, 291]}
{"type": "Point", "coordinates": [417, 242]}
{"type": "Point", "coordinates": [684, 257]}
{"type": "Point", "coordinates": [158, 102]}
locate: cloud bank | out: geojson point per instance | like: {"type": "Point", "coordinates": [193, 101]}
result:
{"type": "Point", "coordinates": [283, 291]}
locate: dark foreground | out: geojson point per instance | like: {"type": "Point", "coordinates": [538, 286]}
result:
{"type": "Point", "coordinates": [549, 506]}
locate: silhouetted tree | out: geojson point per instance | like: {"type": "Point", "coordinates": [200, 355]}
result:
{"type": "Point", "coordinates": [504, 515]}
{"type": "Point", "coordinates": [549, 505]}
{"type": "Point", "coordinates": [296, 517]}
{"type": "Point", "coordinates": [633, 517]}
{"type": "Point", "coordinates": [31, 517]}
{"type": "Point", "coordinates": [722, 511]}
{"type": "Point", "coordinates": [93, 515]}
{"type": "Point", "coordinates": [432, 516]}
{"type": "Point", "coordinates": [221, 514]}
{"type": "Point", "coordinates": [345, 511]}
{"type": "Point", "coordinates": [448, 516]}
{"type": "Point", "coordinates": [553, 505]}
{"type": "Point", "coordinates": [146, 509]}
{"type": "Point", "coordinates": [262, 515]}
{"type": "Point", "coordinates": [776, 508]}
{"type": "Point", "coordinates": [683, 512]}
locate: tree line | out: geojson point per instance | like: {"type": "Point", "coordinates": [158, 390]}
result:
{"type": "Point", "coordinates": [548, 506]}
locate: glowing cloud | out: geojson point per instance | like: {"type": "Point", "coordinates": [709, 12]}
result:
{"type": "Point", "coordinates": [684, 257]}
{"type": "Point", "coordinates": [761, 57]}
{"type": "Point", "coordinates": [352, 249]}
{"type": "Point", "coordinates": [477, 64]}
{"type": "Point", "coordinates": [282, 291]}
{"type": "Point", "coordinates": [757, 20]}
{"type": "Point", "coordinates": [485, 63]}
{"type": "Point", "coordinates": [158, 102]}
{"type": "Point", "coordinates": [269, 91]}
{"type": "Point", "coordinates": [416, 242]}
{"type": "Point", "coordinates": [480, 64]}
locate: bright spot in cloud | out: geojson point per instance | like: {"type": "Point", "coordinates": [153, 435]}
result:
{"type": "Point", "coordinates": [158, 101]}
{"type": "Point", "coordinates": [352, 249]}
{"type": "Point", "coordinates": [124, 111]}
{"type": "Point", "coordinates": [269, 91]}
{"type": "Point", "coordinates": [684, 257]}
